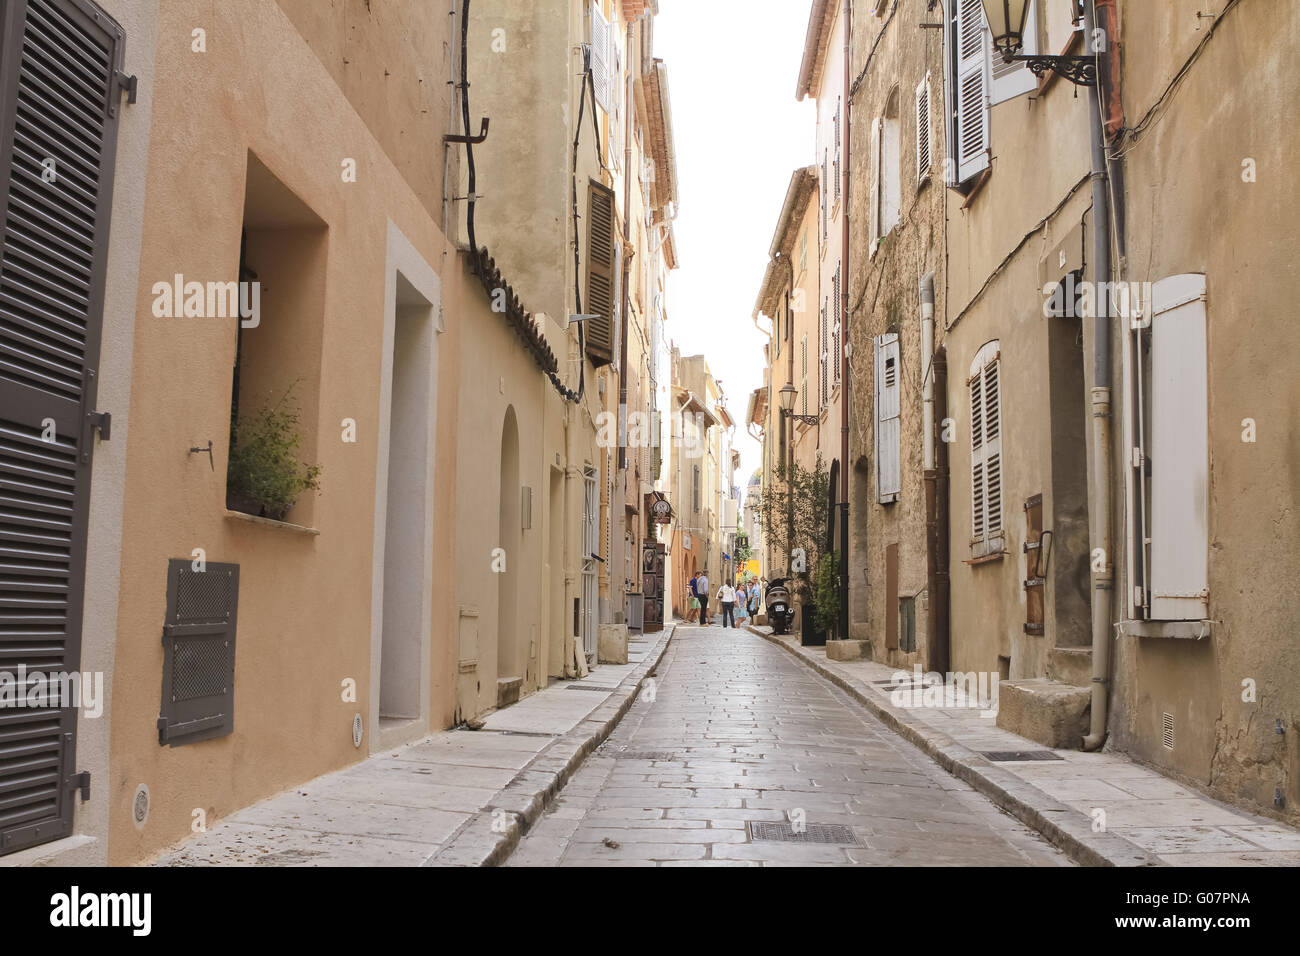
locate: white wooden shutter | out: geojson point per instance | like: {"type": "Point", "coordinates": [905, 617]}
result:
{"type": "Point", "coordinates": [823, 344]}
{"type": "Point", "coordinates": [803, 374]}
{"type": "Point", "coordinates": [971, 99]}
{"type": "Point", "coordinates": [601, 63]}
{"type": "Point", "coordinates": [888, 406]}
{"type": "Point", "coordinates": [838, 141]}
{"type": "Point", "coordinates": [617, 95]}
{"type": "Point", "coordinates": [986, 451]}
{"type": "Point", "coordinates": [1180, 452]}
{"type": "Point", "coordinates": [825, 193]}
{"type": "Point", "coordinates": [837, 310]}
{"type": "Point", "coordinates": [874, 200]}
{"type": "Point", "coordinates": [1008, 80]}
{"type": "Point", "coordinates": [922, 128]}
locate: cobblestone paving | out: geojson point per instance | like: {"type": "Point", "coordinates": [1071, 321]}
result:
{"type": "Point", "coordinates": [740, 733]}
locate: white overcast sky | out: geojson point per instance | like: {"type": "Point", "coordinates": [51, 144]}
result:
{"type": "Point", "coordinates": [739, 134]}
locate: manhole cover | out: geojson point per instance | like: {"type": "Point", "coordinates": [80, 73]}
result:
{"type": "Point", "coordinates": [605, 690]}
{"type": "Point", "coordinates": [1003, 755]}
{"type": "Point", "coordinates": [784, 832]}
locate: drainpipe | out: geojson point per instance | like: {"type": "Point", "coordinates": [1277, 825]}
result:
{"type": "Point", "coordinates": [843, 627]}
{"type": "Point", "coordinates": [936, 649]}
{"type": "Point", "coordinates": [1102, 581]}
{"type": "Point", "coordinates": [927, 379]}
{"type": "Point", "coordinates": [940, 623]}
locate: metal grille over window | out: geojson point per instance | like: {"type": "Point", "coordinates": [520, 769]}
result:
{"type": "Point", "coordinates": [198, 687]}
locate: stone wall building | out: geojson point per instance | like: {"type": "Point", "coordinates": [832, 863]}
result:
{"type": "Point", "coordinates": [898, 201]}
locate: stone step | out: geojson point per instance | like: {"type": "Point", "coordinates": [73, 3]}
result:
{"type": "Point", "coordinates": [1070, 665]}
{"type": "Point", "coordinates": [1046, 711]}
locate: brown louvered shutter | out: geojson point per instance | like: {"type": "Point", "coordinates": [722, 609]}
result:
{"type": "Point", "coordinates": [59, 61]}
{"type": "Point", "coordinates": [599, 332]}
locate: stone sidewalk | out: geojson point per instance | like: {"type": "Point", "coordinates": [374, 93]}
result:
{"type": "Point", "coordinates": [456, 798]}
{"type": "Point", "coordinates": [1101, 808]}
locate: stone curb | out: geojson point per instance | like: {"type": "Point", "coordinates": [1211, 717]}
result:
{"type": "Point", "coordinates": [535, 787]}
{"type": "Point", "coordinates": [1063, 826]}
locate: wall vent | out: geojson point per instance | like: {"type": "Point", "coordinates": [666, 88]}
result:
{"type": "Point", "coordinates": [1168, 721]}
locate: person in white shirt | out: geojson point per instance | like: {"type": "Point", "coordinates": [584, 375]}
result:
{"type": "Point", "coordinates": [727, 595]}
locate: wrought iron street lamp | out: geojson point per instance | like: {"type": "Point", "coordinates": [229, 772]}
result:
{"type": "Point", "coordinates": [786, 396]}
{"type": "Point", "coordinates": [1006, 19]}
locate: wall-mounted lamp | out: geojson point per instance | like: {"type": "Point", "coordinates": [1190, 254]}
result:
{"type": "Point", "coordinates": [1006, 19]}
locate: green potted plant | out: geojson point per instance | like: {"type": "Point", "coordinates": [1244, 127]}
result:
{"type": "Point", "coordinates": [826, 593]}
{"type": "Point", "coordinates": [265, 476]}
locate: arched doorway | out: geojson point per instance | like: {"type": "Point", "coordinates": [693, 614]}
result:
{"type": "Point", "coordinates": [508, 535]}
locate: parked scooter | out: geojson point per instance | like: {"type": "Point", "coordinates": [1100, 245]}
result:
{"type": "Point", "coordinates": [780, 611]}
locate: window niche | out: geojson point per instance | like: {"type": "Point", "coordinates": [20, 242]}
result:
{"type": "Point", "coordinates": [283, 257]}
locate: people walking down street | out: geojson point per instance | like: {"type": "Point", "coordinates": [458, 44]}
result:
{"type": "Point", "coordinates": [702, 592]}
{"type": "Point", "coordinates": [742, 605]}
{"type": "Point", "coordinates": [755, 593]}
{"type": "Point", "coordinates": [692, 602]}
{"type": "Point", "coordinates": [727, 595]}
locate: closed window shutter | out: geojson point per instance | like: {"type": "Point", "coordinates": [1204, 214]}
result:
{"type": "Point", "coordinates": [602, 59]}
{"type": "Point", "coordinates": [836, 309]}
{"type": "Point", "coordinates": [888, 423]}
{"type": "Point", "coordinates": [695, 487]}
{"type": "Point", "coordinates": [823, 344]}
{"type": "Point", "coordinates": [986, 452]}
{"type": "Point", "coordinates": [1180, 452]}
{"type": "Point", "coordinates": [873, 211]}
{"type": "Point", "coordinates": [601, 270]}
{"type": "Point", "coordinates": [838, 141]}
{"type": "Point", "coordinates": [971, 106]}
{"type": "Point", "coordinates": [616, 96]}
{"type": "Point", "coordinates": [993, 449]}
{"type": "Point", "coordinates": [923, 128]}
{"type": "Point", "coordinates": [803, 385]}
{"type": "Point", "coordinates": [198, 684]}
{"type": "Point", "coordinates": [825, 194]}
{"type": "Point", "coordinates": [59, 101]}
{"type": "Point", "coordinates": [1009, 80]}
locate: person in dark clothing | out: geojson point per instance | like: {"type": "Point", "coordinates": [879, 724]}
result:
{"type": "Point", "coordinates": [702, 592]}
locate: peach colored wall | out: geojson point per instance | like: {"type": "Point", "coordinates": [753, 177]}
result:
{"type": "Point", "coordinates": [304, 613]}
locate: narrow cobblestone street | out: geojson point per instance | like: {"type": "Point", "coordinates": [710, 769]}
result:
{"type": "Point", "coordinates": [736, 732]}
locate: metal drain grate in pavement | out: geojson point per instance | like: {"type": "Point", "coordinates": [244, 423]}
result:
{"type": "Point", "coordinates": [607, 690]}
{"type": "Point", "coordinates": [1004, 755]}
{"type": "Point", "coordinates": [645, 755]}
{"type": "Point", "coordinates": [784, 832]}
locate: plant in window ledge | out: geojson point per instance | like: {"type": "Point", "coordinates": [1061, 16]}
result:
{"type": "Point", "coordinates": [265, 476]}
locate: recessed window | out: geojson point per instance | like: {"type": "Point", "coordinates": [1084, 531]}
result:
{"type": "Point", "coordinates": [278, 328]}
